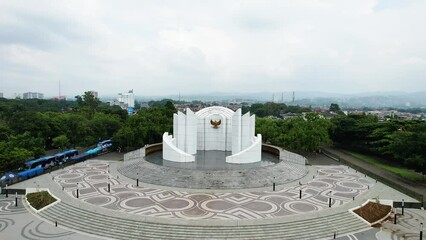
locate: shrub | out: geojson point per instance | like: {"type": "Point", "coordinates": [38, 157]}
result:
{"type": "Point", "coordinates": [40, 199]}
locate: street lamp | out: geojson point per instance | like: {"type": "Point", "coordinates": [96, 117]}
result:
{"type": "Point", "coordinates": [273, 185]}
{"type": "Point", "coordinates": [137, 179]}
{"type": "Point", "coordinates": [394, 216]}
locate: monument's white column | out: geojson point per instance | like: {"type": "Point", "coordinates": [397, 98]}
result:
{"type": "Point", "coordinates": [191, 132]}
{"type": "Point", "coordinates": [180, 137]}
{"type": "Point", "coordinates": [236, 132]}
{"type": "Point", "coordinates": [246, 138]}
{"type": "Point", "coordinates": [252, 125]}
{"type": "Point", "coordinates": [175, 127]}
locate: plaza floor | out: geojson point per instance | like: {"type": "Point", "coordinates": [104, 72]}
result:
{"type": "Point", "coordinates": [18, 223]}
{"type": "Point", "coordinates": [338, 183]}
{"type": "Point", "coordinates": [176, 205]}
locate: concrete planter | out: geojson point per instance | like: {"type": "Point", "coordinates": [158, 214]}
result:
{"type": "Point", "coordinates": [383, 202]}
{"type": "Point", "coordinates": [32, 190]}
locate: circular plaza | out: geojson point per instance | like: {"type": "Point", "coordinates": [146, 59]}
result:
{"type": "Point", "coordinates": [337, 183]}
{"type": "Point", "coordinates": [98, 202]}
{"type": "Point", "coordinates": [213, 178]}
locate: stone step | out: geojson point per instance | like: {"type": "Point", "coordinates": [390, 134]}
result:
{"type": "Point", "coordinates": [334, 217]}
{"type": "Point", "coordinates": [126, 234]}
{"type": "Point", "coordinates": [292, 225]}
{"type": "Point", "coordinates": [120, 228]}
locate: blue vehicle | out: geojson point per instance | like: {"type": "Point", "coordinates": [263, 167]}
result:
{"type": "Point", "coordinates": [105, 145]}
{"type": "Point", "coordinates": [43, 162]}
{"type": "Point", "coordinates": [94, 151]}
{"type": "Point", "coordinates": [80, 158]}
{"type": "Point", "coordinates": [30, 172]}
{"type": "Point", "coordinates": [40, 165]}
{"type": "Point", "coordinates": [64, 156]}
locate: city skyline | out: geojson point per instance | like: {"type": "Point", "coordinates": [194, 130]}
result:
{"type": "Point", "coordinates": [165, 48]}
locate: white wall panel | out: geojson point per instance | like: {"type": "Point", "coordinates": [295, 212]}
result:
{"type": "Point", "coordinates": [245, 131]}
{"type": "Point", "coordinates": [181, 133]}
{"type": "Point", "coordinates": [236, 132]}
{"type": "Point", "coordinates": [249, 155]}
{"type": "Point", "coordinates": [194, 132]}
{"type": "Point", "coordinates": [191, 132]}
{"type": "Point", "coordinates": [175, 126]}
{"type": "Point", "coordinates": [172, 153]}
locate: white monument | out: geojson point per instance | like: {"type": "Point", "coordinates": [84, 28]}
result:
{"type": "Point", "coordinates": [213, 128]}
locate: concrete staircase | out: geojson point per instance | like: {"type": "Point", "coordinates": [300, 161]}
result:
{"type": "Point", "coordinates": [121, 228]}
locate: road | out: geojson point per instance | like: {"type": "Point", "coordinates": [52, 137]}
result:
{"type": "Point", "coordinates": [414, 186]}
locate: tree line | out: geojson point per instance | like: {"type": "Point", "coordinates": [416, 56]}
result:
{"type": "Point", "coordinates": [401, 141]}
{"type": "Point", "coordinates": [30, 127]}
{"type": "Point", "coordinates": [273, 109]}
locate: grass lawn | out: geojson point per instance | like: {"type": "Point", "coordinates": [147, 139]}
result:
{"type": "Point", "coordinates": [40, 199]}
{"type": "Point", "coordinates": [405, 173]}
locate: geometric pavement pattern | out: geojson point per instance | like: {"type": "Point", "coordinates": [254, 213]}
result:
{"type": "Point", "coordinates": [338, 182]}
{"type": "Point", "coordinates": [7, 208]}
{"type": "Point", "coordinates": [283, 172]}
{"type": "Point", "coordinates": [407, 227]}
{"type": "Point", "coordinates": [29, 228]}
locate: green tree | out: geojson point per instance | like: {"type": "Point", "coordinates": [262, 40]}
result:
{"type": "Point", "coordinates": [12, 158]}
{"type": "Point", "coordinates": [60, 141]}
{"type": "Point", "coordinates": [334, 107]}
{"type": "Point", "coordinates": [77, 129]}
{"type": "Point", "coordinates": [87, 103]}
{"type": "Point", "coordinates": [34, 123]}
{"type": "Point", "coordinates": [298, 134]}
{"type": "Point", "coordinates": [268, 128]}
{"type": "Point", "coordinates": [5, 132]}
{"type": "Point", "coordinates": [146, 127]}
{"type": "Point", "coordinates": [402, 142]}
{"type": "Point", "coordinates": [28, 142]}
{"type": "Point", "coordinates": [104, 126]}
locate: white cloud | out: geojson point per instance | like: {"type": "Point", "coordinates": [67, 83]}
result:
{"type": "Point", "coordinates": [164, 47]}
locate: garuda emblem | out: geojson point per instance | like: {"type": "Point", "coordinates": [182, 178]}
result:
{"type": "Point", "coordinates": [215, 123]}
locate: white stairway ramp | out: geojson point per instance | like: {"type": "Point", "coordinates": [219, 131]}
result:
{"type": "Point", "coordinates": [121, 228]}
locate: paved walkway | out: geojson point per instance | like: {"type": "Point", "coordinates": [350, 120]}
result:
{"type": "Point", "coordinates": [18, 223]}
{"type": "Point", "coordinates": [407, 227]}
{"type": "Point", "coordinates": [336, 182]}
{"type": "Point", "coordinates": [280, 173]}
{"type": "Point", "coordinates": [13, 232]}
{"type": "Point", "coordinates": [416, 187]}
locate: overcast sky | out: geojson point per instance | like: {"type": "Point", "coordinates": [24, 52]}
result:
{"type": "Point", "coordinates": [166, 47]}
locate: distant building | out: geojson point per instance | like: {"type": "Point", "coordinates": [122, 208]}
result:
{"type": "Point", "coordinates": [126, 101]}
{"type": "Point", "coordinates": [94, 93]}
{"type": "Point", "coordinates": [60, 97]}
{"type": "Point", "coordinates": [33, 95]}
{"type": "Point", "coordinates": [1, 94]}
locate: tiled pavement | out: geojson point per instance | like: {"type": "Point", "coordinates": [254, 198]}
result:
{"type": "Point", "coordinates": [24, 225]}
{"type": "Point", "coordinates": [18, 223]}
{"type": "Point", "coordinates": [337, 182]}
